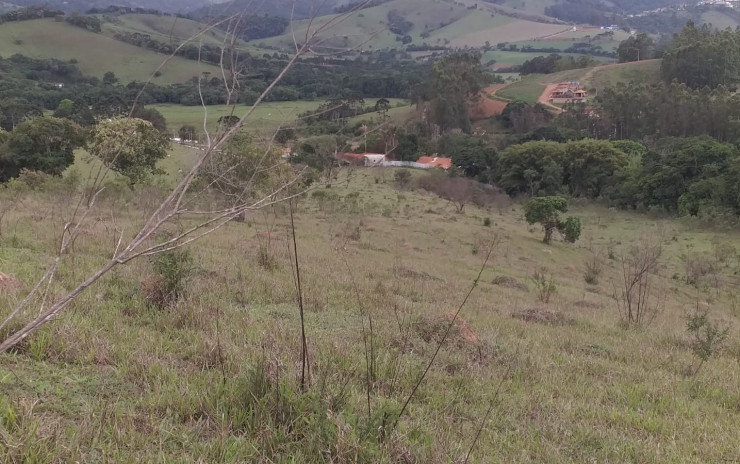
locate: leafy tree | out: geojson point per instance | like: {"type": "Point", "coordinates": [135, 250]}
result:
{"type": "Point", "coordinates": [43, 144]}
{"type": "Point", "coordinates": [455, 82]}
{"type": "Point", "coordinates": [402, 177]}
{"type": "Point", "coordinates": [187, 132]}
{"type": "Point", "coordinates": [546, 211]}
{"type": "Point", "coordinates": [701, 56]}
{"type": "Point", "coordinates": [109, 78]}
{"type": "Point", "coordinates": [242, 167]}
{"type": "Point", "coordinates": [469, 153]}
{"type": "Point", "coordinates": [152, 115]}
{"type": "Point", "coordinates": [635, 48]}
{"type": "Point", "coordinates": [533, 168]}
{"type": "Point", "coordinates": [318, 153]}
{"type": "Point", "coordinates": [590, 166]}
{"type": "Point", "coordinates": [682, 175]}
{"type": "Point", "coordinates": [15, 110]}
{"type": "Point", "coordinates": [407, 148]}
{"type": "Point", "coordinates": [129, 146]}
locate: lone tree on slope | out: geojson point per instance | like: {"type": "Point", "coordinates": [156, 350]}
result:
{"type": "Point", "coordinates": [546, 211]}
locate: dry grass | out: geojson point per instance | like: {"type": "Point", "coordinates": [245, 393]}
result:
{"type": "Point", "coordinates": [114, 380]}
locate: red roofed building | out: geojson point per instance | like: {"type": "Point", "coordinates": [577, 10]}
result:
{"type": "Point", "coordinates": [351, 158]}
{"type": "Point", "coordinates": [436, 162]}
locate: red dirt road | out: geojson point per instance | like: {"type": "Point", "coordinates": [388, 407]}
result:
{"type": "Point", "coordinates": [488, 107]}
{"type": "Point", "coordinates": [545, 98]}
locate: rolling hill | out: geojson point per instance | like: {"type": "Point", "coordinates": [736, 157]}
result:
{"type": "Point", "coordinates": [432, 23]}
{"type": "Point", "coordinates": [82, 6]}
{"type": "Point", "coordinates": [95, 53]}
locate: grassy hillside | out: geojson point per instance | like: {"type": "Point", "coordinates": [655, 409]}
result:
{"type": "Point", "coordinates": [267, 116]}
{"type": "Point", "coordinates": [644, 71]}
{"type": "Point", "coordinates": [167, 29]}
{"type": "Point", "coordinates": [214, 378]}
{"type": "Point", "coordinates": [435, 22]}
{"type": "Point", "coordinates": [96, 53]}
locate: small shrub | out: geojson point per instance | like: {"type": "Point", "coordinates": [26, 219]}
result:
{"type": "Point", "coordinates": [594, 266]}
{"type": "Point", "coordinates": [402, 178]}
{"type": "Point", "coordinates": [708, 337]}
{"type": "Point", "coordinates": [697, 266]}
{"type": "Point", "coordinates": [487, 222]}
{"type": "Point", "coordinates": [544, 284]}
{"type": "Point", "coordinates": [39, 344]}
{"type": "Point", "coordinates": [636, 299]}
{"type": "Point", "coordinates": [266, 260]}
{"type": "Point", "coordinates": [172, 269]}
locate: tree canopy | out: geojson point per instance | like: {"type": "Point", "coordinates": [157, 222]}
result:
{"type": "Point", "coordinates": [43, 144]}
{"type": "Point", "coordinates": [546, 211]}
{"type": "Point", "coordinates": [129, 146]}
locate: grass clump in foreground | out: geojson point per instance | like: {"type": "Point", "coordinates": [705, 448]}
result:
{"type": "Point", "coordinates": [213, 376]}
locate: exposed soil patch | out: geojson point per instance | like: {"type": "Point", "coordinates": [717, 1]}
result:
{"type": "Point", "coordinates": [487, 107]}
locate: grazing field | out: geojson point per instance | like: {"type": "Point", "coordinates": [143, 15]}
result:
{"type": "Point", "coordinates": [266, 118]}
{"type": "Point", "coordinates": [214, 377]}
{"type": "Point", "coordinates": [434, 22]}
{"type": "Point", "coordinates": [513, 31]}
{"type": "Point", "coordinates": [96, 54]}
{"type": "Point", "coordinates": [647, 71]}
{"type": "Point", "coordinates": [371, 24]}
{"type": "Point", "coordinates": [527, 89]}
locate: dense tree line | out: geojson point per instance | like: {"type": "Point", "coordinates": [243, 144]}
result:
{"type": "Point", "coordinates": [121, 10]}
{"type": "Point", "coordinates": [262, 26]}
{"type": "Point", "coordinates": [589, 12]}
{"type": "Point", "coordinates": [687, 176]}
{"type": "Point", "coordinates": [91, 23]}
{"type": "Point", "coordinates": [635, 48]}
{"type": "Point", "coordinates": [582, 48]}
{"type": "Point", "coordinates": [555, 63]}
{"type": "Point", "coordinates": [701, 56]}
{"type": "Point", "coordinates": [358, 4]}
{"type": "Point", "coordinates": [638, 110]}
{"type": "Point", "coordinates": [398, 24]}
{"type": "Point", "coordinates": [453, 84]}
{"type": "Point", "coordinates": [29, 13]}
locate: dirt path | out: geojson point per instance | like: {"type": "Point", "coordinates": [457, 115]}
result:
{"type": "Point", "coordinates": [488, 107]}
{"type": "Point", "coordinates": [545, 97]}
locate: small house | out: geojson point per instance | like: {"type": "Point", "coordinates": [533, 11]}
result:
{"type": "Point", "coordinates": [373, 159]}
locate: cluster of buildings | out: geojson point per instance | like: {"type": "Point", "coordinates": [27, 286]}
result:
{"type": "Point", "coordinates": [378, 160]}
{"type": "Point", "coordinates": [568, 92]}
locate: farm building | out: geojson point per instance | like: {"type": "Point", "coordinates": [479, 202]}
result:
{"type": "Point", "coordinates": [568, 92]}
{"type": "Point", "coordinates": [436, 162]}
{"type": "Point", "coordinates": [373, 159]}
{"type": "Point", "coordinates": [360, 159]}
{"type": "Point", "coordinates": [354, 159]}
